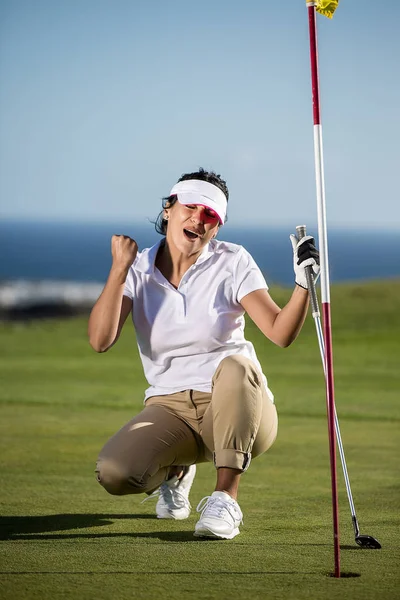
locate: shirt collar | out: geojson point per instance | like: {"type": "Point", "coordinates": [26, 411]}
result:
{"type": "Point", "coordinates": [213, 247]}
{"type": "Point", "coordinates": [146, 260]}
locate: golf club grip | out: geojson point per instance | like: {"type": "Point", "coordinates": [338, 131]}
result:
{"type": "Point", "coordinates": [301, 232]}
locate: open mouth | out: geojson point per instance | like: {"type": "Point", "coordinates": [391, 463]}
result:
{"type": "Point", "coordinates": [191, 235]}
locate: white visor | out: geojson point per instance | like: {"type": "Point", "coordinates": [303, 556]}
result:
{"type": "Point", "coordinates": [195, 191]}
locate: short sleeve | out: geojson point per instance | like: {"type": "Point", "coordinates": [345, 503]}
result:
{"type": "Point", "coordinates": [248, 276]}
{"type": "Point", "coordinates": [129, 287]}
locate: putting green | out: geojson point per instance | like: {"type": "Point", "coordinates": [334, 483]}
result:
{"type": "Point", "coordinates": [62, 536]}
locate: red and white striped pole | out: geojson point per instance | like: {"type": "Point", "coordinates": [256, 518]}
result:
{"type": "Point", "coordinates": [325, 288]}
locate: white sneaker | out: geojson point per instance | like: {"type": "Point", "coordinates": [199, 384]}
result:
{"type": "Point", "coordinates": [173, 501]}
{"type": "Point", "coordinates": [220, 517]}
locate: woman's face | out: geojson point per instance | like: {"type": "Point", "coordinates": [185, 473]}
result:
{"type": "Point", "coordinates": [190, 227]}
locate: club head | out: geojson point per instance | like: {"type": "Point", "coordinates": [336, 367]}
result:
{"type": "Point", "coordinates": [367, 541]}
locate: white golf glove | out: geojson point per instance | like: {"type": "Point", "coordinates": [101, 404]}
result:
{"type": "Point", "coordinates": [305, 255]}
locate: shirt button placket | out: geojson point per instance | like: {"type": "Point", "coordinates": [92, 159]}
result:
{"type": "Point", "coordinates": [183, 296]}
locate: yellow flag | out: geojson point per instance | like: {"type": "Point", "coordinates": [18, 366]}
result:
{"type": "Point", "coordinates": [326, 7]}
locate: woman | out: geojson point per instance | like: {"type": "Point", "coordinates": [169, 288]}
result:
{"type": "Point", "coordinates": [208, 399]}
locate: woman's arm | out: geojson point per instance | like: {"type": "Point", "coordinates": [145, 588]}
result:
{"type": "Point", "coordinates": [112, 308]}
{"type": "Point", "coordinates": [281, 326]}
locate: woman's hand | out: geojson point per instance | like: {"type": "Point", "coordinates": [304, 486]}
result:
{"type": "Point", "coordinates": [305, 254]}
{"type": "Point", "coordinates": [124, 250]}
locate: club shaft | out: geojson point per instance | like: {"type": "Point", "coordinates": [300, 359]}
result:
{"type": "Point", "coordinates": [301, 232]}
{"type": "Point", "coordinates": [320, 337]}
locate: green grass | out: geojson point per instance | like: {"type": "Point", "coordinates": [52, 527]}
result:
{"type": "Point", "coordinates": [63, 536]}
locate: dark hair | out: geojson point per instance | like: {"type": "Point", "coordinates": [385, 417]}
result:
{"type": "Point", "coordinates": [161, 224]}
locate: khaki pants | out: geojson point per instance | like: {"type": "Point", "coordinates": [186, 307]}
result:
{"type": "Point", "coordinates": [234, 423]}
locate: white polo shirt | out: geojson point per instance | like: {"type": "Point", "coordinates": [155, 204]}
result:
{"type": "Point", "coordinates": [183, 334]}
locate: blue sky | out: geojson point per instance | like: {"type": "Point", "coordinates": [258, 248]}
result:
{"type": "Point", "coordinates": [104, 104]}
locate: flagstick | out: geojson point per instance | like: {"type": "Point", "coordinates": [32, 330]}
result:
{"type": "Point", "coordinates": [325, 291]}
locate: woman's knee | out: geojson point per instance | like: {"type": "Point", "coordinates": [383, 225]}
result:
{"type": "Point", "coordinates": [116, 480]}
{"type": "Point", "coordinates": [236, 368]}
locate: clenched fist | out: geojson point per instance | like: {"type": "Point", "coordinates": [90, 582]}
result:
{"type": "Point", "coordinates": [123, 250]}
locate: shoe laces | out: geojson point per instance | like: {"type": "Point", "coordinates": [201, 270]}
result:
{"type": "Point", "coordinates": [217, 507]}
{"type": "Point", "coordinates": [170, 495]}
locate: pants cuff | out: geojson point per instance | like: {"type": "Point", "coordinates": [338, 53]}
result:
{"type": "Point", "coordinates": [232, 459]}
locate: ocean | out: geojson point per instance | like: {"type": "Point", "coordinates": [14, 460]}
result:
{"type": "Point", "coordinates": [81, 252]}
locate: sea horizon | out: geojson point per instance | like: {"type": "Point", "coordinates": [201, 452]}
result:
{"type": "Point", "coordinates": [80, 251]}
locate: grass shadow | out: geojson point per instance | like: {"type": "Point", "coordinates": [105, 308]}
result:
{"type": "Point", "coordinates": [13, 527]}
{"type": "Point", "coordinates": [173, 536]}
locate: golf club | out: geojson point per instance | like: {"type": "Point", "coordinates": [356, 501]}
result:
{"type": "Point", "coordinates": [365, 541]}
